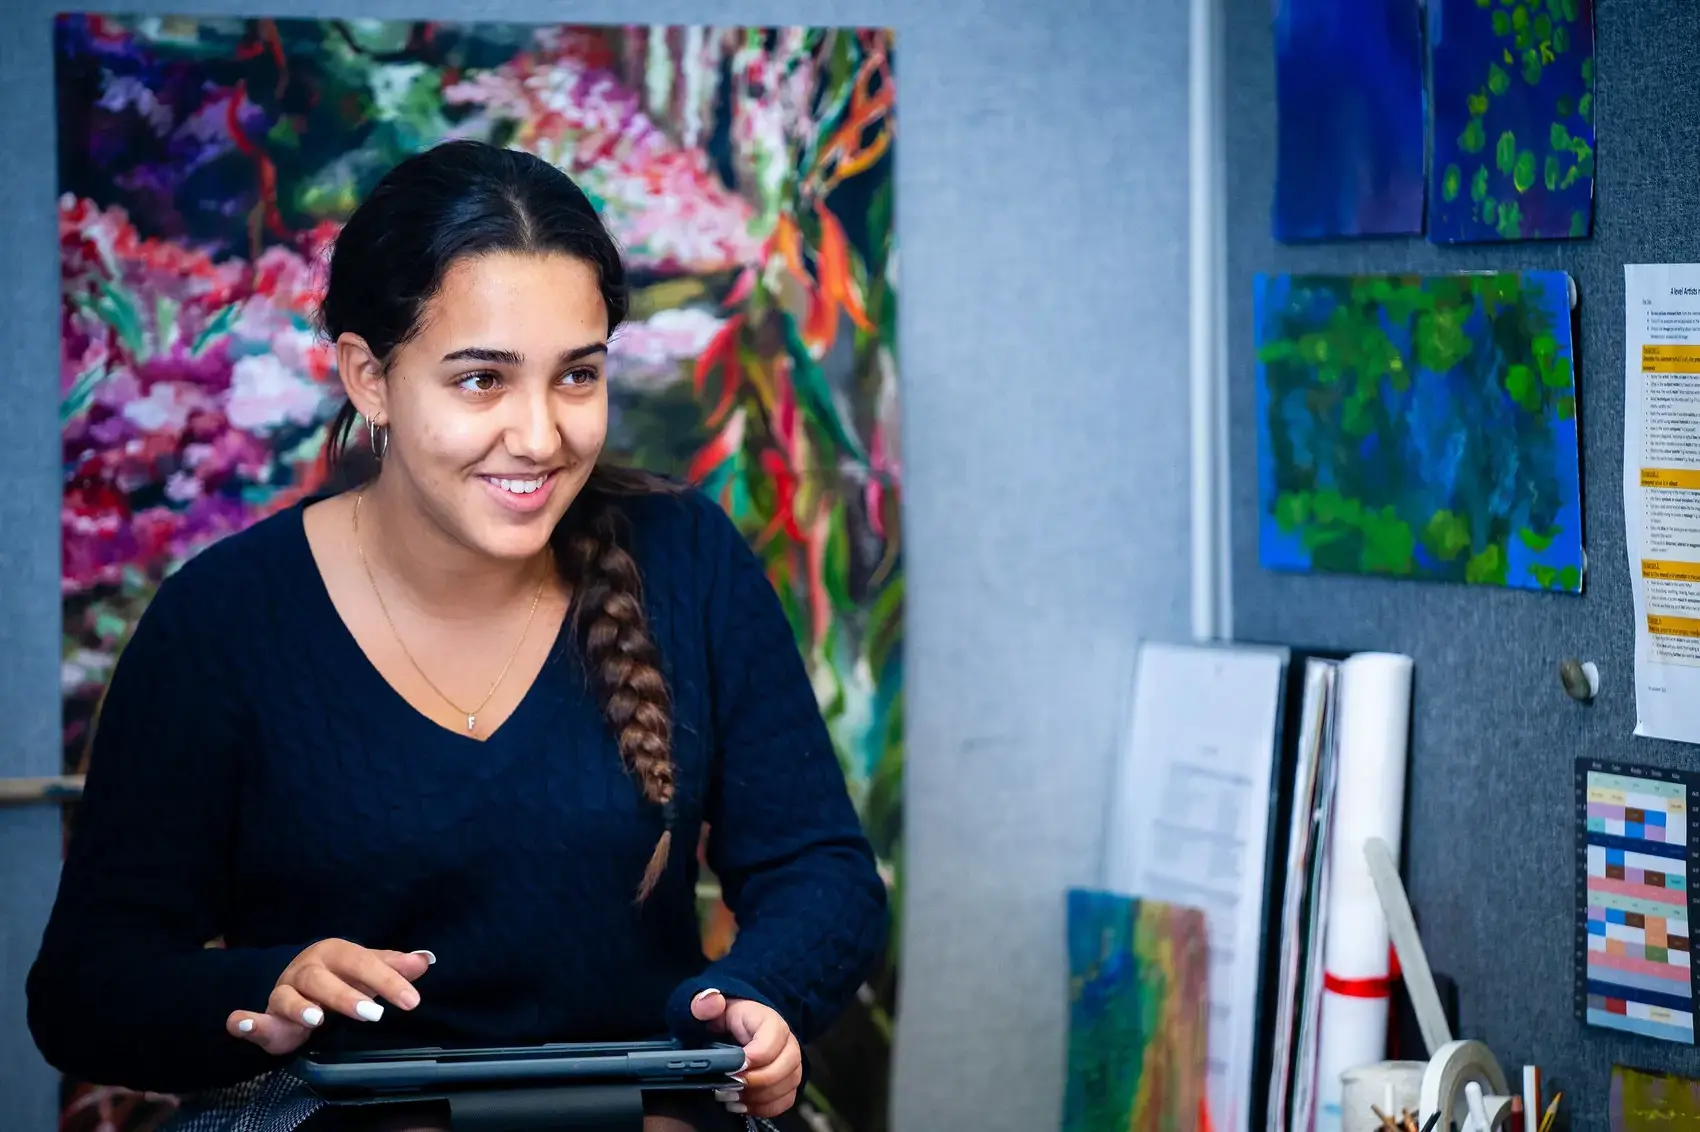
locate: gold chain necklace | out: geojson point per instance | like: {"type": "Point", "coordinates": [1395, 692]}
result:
{"type": "Point", "coordinates": [471, 716]}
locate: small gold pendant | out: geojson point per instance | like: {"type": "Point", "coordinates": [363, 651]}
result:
{"type": "Point", "coordinates": [471, 722]}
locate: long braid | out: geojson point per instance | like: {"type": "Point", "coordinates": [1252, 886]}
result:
{"type": "Point", "coordinates": [620, 657]}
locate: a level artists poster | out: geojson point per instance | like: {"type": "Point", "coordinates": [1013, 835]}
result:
{"type": "Point", "coordinates": [205, 165]}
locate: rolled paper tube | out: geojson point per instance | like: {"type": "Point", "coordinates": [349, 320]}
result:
{"type": "Point", "coordinates": [1373, 727]}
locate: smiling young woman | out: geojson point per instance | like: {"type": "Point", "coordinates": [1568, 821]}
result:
{"type": "Point", "coordinates": [469, 717]}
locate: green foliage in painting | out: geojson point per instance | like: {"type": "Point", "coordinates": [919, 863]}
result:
{"type": "Point", "coordinates": [1420, 427]}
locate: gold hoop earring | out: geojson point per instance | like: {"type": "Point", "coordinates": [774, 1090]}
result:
{"type": "Point", "coordinates": [374, 431]}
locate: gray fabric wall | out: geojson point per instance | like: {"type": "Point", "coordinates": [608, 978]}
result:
{"type": "Point", "coordinates": [1490, 835]}
{"type": "Point", "coordinates": [1042, 212]}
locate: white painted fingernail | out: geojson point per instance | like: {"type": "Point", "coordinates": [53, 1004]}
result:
{"type": "Point", "coordinates": [737, 1108]}
{"type": "Point", "coordinates": [368, 1010]}
{"type": "Point", "coordinates": [725, 1096]}
{"type": "Point", "coordinates": [313, 1016]}
{"type": "Point", "coordinates": [700, 995]}
{"type": "Point", "coordinates": [430, 959]}
{"type": "Point", "coordinates": [737, 1078]}
{"type": "Point", "coordinates": [246, 1026]}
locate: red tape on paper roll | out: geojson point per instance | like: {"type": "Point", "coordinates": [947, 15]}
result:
{"type": "Point", "coordinates": [1358, 988]}
{"type": "Point", "coordinates": [1381, 986]}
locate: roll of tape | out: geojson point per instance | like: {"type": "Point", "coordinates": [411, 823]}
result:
{"type": "Point", "coordinates": [1453, 1066]}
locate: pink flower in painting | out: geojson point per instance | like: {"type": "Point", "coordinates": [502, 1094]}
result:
{"type": "Point", "coordinates": [182, 487]}
{"type": "Point", "coordinates": [166, 407]}
{"type": "Point", "coordinates": [290, 282]}
{"type": "Point", "coordinates": [177, 374]}
{"type": "Point", "coordinates": [660, 198]}
{"type": "Point", "coordinates": [266, 393]}
{"type": "Point", "coordinates": [281, 311]}
{"type": "Point", "coordinates": [771, 111]}
{"type": "Point", "coordinates": [227, 455]}
{"type": "Point", "coordinates": [659, 351]}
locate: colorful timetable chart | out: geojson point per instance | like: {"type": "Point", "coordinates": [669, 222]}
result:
{"type": "Point", "coordinates": [1637, 865]}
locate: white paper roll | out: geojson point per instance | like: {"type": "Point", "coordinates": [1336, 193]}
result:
{"type": "Point", "coordinates": [1373, 727]}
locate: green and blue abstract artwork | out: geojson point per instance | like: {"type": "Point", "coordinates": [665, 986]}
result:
{"type": "Point", "coordinates": [1139, 975]}
{"type": "Point", "coordinates": [1420, 427]}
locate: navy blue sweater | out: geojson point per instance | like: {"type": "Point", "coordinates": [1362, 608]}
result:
{"type": "Point", "coordinates": [254, 778]}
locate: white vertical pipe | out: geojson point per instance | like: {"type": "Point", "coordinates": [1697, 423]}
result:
{"type": "Point", "coordinates": [1219, 317]}
{"type": "Point", "coordinates": [1210, 596]}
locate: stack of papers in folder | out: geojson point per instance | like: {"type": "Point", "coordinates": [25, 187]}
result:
{"type": "Point", "coordinates": [1304, 907]}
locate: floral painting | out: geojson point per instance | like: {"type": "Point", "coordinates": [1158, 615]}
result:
{"type": "Point", "coordinates": [205, 165]}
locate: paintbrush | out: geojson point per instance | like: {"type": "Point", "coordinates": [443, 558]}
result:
{"type": "Point", "coordinates": [1386, 1121]}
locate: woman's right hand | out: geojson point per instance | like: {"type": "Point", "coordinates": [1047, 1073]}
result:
{"type": "Point", "coordinates": [331, 975]}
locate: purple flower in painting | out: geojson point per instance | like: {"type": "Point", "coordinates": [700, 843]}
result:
{"type": "Point", "coordinates": [177, 374]}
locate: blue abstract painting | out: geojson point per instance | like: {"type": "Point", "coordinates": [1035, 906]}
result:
{"type": "Point", "coordinates": [1349, 96]}
{"type": "Point", "coordinates": [1513, 120]}
{"type": "Point", "coordinates": [1419, 427]}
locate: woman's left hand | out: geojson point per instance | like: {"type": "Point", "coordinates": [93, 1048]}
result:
{"type": "Point", "coordinates": [773, 1061]}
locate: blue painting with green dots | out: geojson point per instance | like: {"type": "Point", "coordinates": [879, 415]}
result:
{"type": "Point", "coordinates": [1513, 91]}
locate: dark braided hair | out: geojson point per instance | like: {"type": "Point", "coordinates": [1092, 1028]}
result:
{"type": "Point", "coordinates": [466, 198]}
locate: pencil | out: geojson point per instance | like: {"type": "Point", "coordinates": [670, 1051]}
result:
{"type": "Point", "coordinates": [1551, 1114]}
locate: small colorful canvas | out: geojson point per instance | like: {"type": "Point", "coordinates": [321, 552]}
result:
{"type": "Point", "coordinates": [1653, 1102]}
{"type": "Point", "coordinates": [1637, 863]}
{"type": "Point", "coordinates": [1349, 101]}
{"type": "Point", "coordinates": [1138, 1006]}
{"type": "Point", "coordinates": [1419, 427]}
{"type": "Point", "coordinates": [1513, 88]}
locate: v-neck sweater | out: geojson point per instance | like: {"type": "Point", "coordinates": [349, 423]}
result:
{"type": "Point", "coordinates": [255, 780]}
